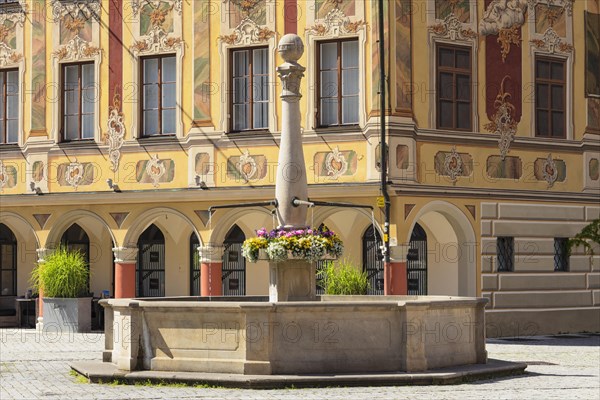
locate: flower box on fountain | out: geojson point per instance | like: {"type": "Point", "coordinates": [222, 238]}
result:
{"type": "Point", "coordinates": [292, 256]}
{"type": "Point", "coordinates": [280, 245]}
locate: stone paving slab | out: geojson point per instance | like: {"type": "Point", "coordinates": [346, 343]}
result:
{"type": "Point", "coordinates": [99, 372]}
{"type": "Point", "coordinates": [36, 365]}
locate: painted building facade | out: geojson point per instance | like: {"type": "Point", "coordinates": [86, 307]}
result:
{"type": "Point", "coordinates": [124, 121]}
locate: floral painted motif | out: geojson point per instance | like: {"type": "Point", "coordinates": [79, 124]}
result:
{"type": "Point", "coordinates": [503, 122]}
{"type": "Point", "coordinates": [155, 169]}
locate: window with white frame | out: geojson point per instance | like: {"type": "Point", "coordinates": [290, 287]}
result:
{"type": "Point", "coordinates": [78, 101]}
{"type": "Point", "coordinates": [338, 83]}
{"type": "Point", "coordinates": [249, 105]}
{"type": "Point", "coordinates": [158, 95]}
{"type": "Point", "coordinates": [9, 106]}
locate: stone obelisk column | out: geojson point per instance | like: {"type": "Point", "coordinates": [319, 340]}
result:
{"type": "Point", "coordinates": [291, 280]}
{"type": "Point", "coordinates": [291, 171]}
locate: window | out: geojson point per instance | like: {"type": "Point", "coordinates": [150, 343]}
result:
{"type": "Point", "coordinates": [550, 98]}
{"type": "Point", "coordinates": [561, 254]}
{"type": "Point", "coordinates": [454, 106]}
{"type": "Point", "coordinates": [337, 83]}
{"type": "Point", "coordinates": [158, 96]}
{"type": "Point", "coordinates": [8, 262]}
{"type": "Point", "coordinates": [505, 252]}
{"type": "Point", "coordinates": [250, 89]}
{"type": "Point", "coordinates": [9, 106]}
{"type": "Point", "coordinates": [78, 101]}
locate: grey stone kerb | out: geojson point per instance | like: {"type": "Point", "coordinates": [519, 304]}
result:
{"type": "Point", "coordinates": [291, 171]}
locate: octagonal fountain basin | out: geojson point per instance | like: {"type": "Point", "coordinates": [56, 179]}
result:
{"type": "Point", "coordinates": [335, 334]}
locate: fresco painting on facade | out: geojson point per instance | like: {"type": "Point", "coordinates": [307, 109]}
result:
{"type": "Point", "coordinates": [202, 84]}
{"type": "Point", "coordinates": [403, 58]}
{"type": "Point", "coordinates": [39, 181]}
{"type": "Point", "coordinates": [38, 62]}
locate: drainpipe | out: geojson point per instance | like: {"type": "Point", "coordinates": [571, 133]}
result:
{"type": "Point", "coordinates": [383, 145]}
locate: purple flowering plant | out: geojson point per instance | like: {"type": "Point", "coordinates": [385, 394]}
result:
{"type": "Point", "coordinates": [309, 244]}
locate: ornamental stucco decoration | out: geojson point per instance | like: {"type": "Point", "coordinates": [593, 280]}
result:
{"type": "Point", "coordinates": [14, 13]}
{"type": "Point", "coordinates": [74, 174]}
{"type": "Point", "coordinates": [77, 49]}
{"type": "Point", "coordinates": [248, 32]}
{"type": "Point", "coordinates": [336, 23]}
{"type": "Point", "coordinates": [549, 170]}
{"type": "Point", "coordinates": [453, 165]}
{"type": "Point", "coordinates": [502, 122]}
{"type": "Point", "coordinates": [156, 41]}
{"type": "Point", "coordinates": [155, 169]}
{"type": "Point", "coordinates": [551, 42]}
{"type": "Point", "coordinates": [336, 164]}
{"type": "Point", "coordinates": [8, 57]}
{"type": "Point", "coordinates": [3, 175]}
{"type": "Point", "coordinates": [116, 133]}
{"type": "Point", "coordinates": [62, 8]}
{"type": "Point", "coordinates": [451, 28]}
{"type": "Point", "coordinates": [504, 18]}
{"type": "Point", "coordinates": [136, 5]}
{"type": "Point", "coordinates": [566, 5]}
{"type": "Point", "coordinates": [247, 166]}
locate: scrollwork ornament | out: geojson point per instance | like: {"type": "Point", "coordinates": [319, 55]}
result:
{"type": "Point", "coordinates": [336, 23]}
{"type": "Point", "coordinates": [549, 170]}
{"type": "Point", "coordinates": [451, 28]}
{"type": "Point", "coordinates": [3, 176]}
{"type": "Point", "coordinates": [136, 5]}
{"type": "Point", "coordinates": [248, 32]}
{"type": "Point", "coordinates": [453, 165]}
{"type": "Point", "coordinates": [8, 57]}
{"type": "Point", "coordinates": [89, 9]}
{"type": "Point", "coordinates": [503, 122]}
{"type": "Point", "coordinates": [76, 49]}
{"type": "Point", "coordinates": [15, 13]}
{"type": "Point", "coordinates": [336, 164]}
{"type": "Point", "coordinates": [247, 166]}
{"type": "Point", "coordinates": [551, 42]}
{"type": "Point", "coordinates": [156, 41]}
{"type": "Point", "coordinates": [74, 174]}
{"type": "Point", "coordinates": [116, 133]}
{"type": "Point", "coordinates": [155, 169]}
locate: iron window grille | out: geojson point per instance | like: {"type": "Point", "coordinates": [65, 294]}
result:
{"type": "Point", "coordinates": [561, 254]}
{"type": "Point", "coordinates": [505, 251]}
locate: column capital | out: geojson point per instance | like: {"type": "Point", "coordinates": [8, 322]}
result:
{"type": "Point", "coordinates": [42, 253]}
{"type": "Point", "coordinates": [125, 255]}
{"type": "Point", "coordinates": [210, 253]}
{"type": "Point", "coordinates": [398, 253]}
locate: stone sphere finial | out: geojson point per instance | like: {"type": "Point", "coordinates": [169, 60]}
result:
{"type": "Point", "coordinates": [291, 48]}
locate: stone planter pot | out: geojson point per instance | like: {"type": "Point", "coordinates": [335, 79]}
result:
{"type": "Point", "coordinates": [263, 255]}
{"type": "Point", "coordinates": [292, 280]}
{"type": "Point", "coordinates": [67, 315]}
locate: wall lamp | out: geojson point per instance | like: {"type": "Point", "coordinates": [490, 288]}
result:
{"type": "Point", "coordinates": [35, 189]}
{"type": "Point", "coordinates": [113, 186]}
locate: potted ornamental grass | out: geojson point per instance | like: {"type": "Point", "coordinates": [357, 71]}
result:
{"type": "Point", "coordinates": [62, 278]}
{"type": "Point", "coordinates": [280, 245]}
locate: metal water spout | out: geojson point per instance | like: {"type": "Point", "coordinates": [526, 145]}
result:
{"type": "Point", "coordinates": [291, 181]}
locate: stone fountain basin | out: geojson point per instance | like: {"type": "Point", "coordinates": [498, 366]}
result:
{"type": "Point", "coordinates": [336, 334]}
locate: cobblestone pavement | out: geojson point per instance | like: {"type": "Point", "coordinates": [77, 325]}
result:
{"type": "Point", "coordinates": [36, 366]}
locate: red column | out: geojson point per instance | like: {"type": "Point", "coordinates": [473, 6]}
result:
{"type": "Point", "coordinates": [395, 278]}
{"type": "Point", "coordinates": [210, 279]}
{"type": "Point", "coordinates": [211, 270]}
{"type": "Point", "coordinates": [125, 261]}
{"type": "Point", "coordinates": [290, 16]}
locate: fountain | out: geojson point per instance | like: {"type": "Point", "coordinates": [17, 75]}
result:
{"type": "Point", "coordinates": [294, 332]}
